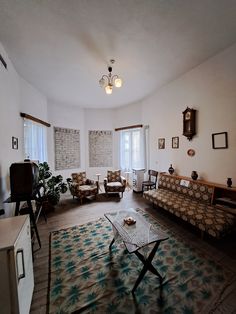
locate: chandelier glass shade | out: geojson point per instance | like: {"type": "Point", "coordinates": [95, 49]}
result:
{"type": "Point", "coordinates": [107, 81]}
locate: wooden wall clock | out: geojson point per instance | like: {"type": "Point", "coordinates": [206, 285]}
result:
{"type": "Point", "coordinates": [189, 123]}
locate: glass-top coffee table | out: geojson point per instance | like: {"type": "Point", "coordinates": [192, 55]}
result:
{"type": "Point", "coordinates": [135, 237]}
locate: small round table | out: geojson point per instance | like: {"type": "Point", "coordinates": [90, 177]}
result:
{"type": "Point", "coordinates": [128, 186]}
{"type": "Point", "coordinates": [99, 187]}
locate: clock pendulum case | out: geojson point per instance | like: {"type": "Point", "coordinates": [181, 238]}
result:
{"type": "Point", "coordinates": [189, 123]}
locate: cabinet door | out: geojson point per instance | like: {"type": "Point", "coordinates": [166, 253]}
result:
{"type": "Point", "coordinates": [6, 295]}
{"type": "Point", "coordinates": [24, 269]}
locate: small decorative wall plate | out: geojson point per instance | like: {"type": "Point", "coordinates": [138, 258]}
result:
{"type": "Point", "coordinates": [191, 152]}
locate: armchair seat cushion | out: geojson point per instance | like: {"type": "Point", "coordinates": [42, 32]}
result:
{"type": "Point", "coordinates": [114, 184]}
{"type": "Point", "coordinates": [84, 188]}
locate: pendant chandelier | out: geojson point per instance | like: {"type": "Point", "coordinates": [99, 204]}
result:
{"type": "Point", "coordinates": [108, 81]}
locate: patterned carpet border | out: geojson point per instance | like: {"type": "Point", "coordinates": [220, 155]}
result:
{"type": "Point", "coordinates": [85, 278]}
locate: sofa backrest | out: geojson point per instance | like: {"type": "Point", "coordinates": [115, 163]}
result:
{"type": "Point", "coordinates": [195, 190]}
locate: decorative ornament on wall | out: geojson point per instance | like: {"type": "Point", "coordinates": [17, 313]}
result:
{"type": "Point", "coordinates": [189, 123]}
{"type": "Point", "coordinates": [191, 152]}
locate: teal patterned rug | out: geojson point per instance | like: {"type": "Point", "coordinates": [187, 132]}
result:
{"type": "Point", "coordinates": [85, 278]}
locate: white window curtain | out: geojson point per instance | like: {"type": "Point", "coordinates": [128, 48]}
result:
{"type": "Point", "coordinates": [35, 141]}
{"type": "Point", "coordinates": [133, 149]}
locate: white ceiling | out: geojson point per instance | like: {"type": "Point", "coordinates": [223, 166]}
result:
{"type": "Point", "coordinates": [62, 47]}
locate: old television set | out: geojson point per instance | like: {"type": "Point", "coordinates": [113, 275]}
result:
{"type": "Point", "coordinates": [24, 178]}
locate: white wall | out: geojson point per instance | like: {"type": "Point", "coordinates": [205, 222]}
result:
{"type": "Point", "coordinates": [16, 96]}
{"type": "Point", "coordinates": [10, 124]}
{"type": "Point", "coordinates": [84, 120]}
{"type": "Point", "coordinates": [128, 115]}
{"type": "Point", "coordinates": [211, 89]}
{"type": "Point", "coordinates": [70, 117]}
{"type": "Point", "coordinates": [100, 119]}
{"type": "Point", "coordinates": [32, 101]}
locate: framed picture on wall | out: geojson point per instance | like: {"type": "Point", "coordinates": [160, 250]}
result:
{"type": "Point", "coordinates": [14, 142]}
{"type": "Point", "coordinates": [175, 142]}
{"type": "Point", "coordinates": [220, 140]}
{"type": "Point", "coordinates": [161, 143]}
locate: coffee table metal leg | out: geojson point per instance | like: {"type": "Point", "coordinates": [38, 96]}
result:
{"type": "Point", "coordinates": [147, 266]}
{"type": "Point", "coordinates": [113, 240]}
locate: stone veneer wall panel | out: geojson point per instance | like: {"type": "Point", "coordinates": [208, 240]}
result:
{"type": "Point", "coordinates": [100, 148]}
{"type": "Point", "coordinates": [67, 148]}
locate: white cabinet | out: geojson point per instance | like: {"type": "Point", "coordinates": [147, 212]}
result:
{"type": "Point", "coordinates": [16, 270]}
{"type": "Point", "coordinates": [138, 178]}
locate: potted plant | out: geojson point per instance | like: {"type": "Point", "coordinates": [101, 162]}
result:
{"type": "Point", "coordinates": [50, 186]}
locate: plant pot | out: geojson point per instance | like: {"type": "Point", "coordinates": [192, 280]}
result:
{"type": "Point", "coordinates": [47, 206]}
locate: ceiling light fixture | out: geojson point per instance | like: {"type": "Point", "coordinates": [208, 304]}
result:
{"type": "Point", "coordinates": [108, 81]}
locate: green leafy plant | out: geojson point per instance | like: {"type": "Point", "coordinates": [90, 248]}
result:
{"type": "Point", "coordinates": [50, 186]}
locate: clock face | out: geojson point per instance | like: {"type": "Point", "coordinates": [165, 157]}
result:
{"type": "Point", "coordinates": [187, 115]}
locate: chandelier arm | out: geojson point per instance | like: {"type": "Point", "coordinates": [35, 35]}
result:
{"type": "Point", "coordinates": [105, 76]}
{"type": "Point", "coordinates": [109, 78]}
{"type": "Point", "coordinates": [114, 77]}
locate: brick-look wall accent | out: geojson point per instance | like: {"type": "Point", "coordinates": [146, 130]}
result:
{"type": "Point", "coordinates": [100, 148]}
{"type": "Point", "coordinates": [67, 148]}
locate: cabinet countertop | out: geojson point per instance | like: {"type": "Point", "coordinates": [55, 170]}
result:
{"type": "Point", "coordinates": [10, 229]}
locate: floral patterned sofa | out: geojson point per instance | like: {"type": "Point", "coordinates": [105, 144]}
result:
{"type": "Point", "coordinates": [192, 203]}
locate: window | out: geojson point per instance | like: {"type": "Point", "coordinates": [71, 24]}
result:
{"type": "Point", "coordinates": [133, 149]}
{"type": "Point", "coordinates": [35, 141]}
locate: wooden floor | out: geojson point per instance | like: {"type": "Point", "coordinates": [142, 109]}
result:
{"type": "Point", "coordinates": [69, 212]}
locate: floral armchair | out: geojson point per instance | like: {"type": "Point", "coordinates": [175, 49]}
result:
{"type": "Point", "coordinates": [114, 182]}
{"type": "Point", "coordinates": [82, 187]}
